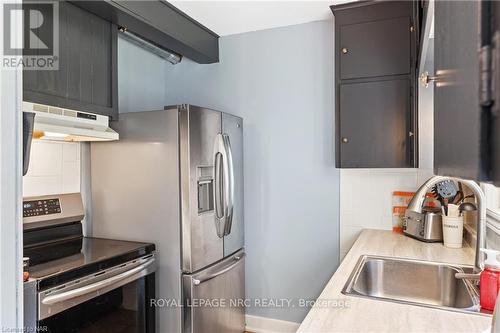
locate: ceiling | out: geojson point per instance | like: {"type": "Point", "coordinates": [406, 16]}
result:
{"type": "Point", "coordinates": [234, 17]}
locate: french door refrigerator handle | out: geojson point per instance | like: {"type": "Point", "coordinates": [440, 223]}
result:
{"type": "Point", "coordinates": [221, 186]}
{"type": "Point", "coordinates": [211, 276]}
{"type": "Point", "coordinates": [230, 177]}
{"type": "Point", "coordinates": [219, 214]}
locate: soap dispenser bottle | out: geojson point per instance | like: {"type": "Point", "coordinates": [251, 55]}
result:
{"type": "Point", "coordinates": [488, 281]}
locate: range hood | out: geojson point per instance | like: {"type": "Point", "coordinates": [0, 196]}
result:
{"type": "Point", "coordinates": [55, 123]}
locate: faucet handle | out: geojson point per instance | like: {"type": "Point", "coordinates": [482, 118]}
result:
{"type": "Point", "coordinates": [467, 276]}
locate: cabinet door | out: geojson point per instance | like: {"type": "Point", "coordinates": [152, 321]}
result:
{"type": "Point", "coordinates": [495, 115]}
{"type": "Point", "coordinates": [459, 122]}
{"type": "Point", "coordinates": [86, 79]}
{"type": "Point", "coordinates": [375, 48]}
{"type": "Point", "coordinates": [374, 118]}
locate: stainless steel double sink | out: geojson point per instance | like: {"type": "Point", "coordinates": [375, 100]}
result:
{"type": "Point", "coordinates": [415, 282]}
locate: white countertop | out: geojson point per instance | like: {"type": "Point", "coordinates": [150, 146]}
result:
{"type": "Point", "coordinates": [368, 315]}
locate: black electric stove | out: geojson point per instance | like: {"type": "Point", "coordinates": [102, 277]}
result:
{"type": "Point", "coordinates": [70, 260]}
{"type": "Point", "coordinates": [79, 282]}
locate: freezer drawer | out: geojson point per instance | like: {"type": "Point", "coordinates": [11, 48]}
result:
{"type": "Point", "coordinates": [213, 297]}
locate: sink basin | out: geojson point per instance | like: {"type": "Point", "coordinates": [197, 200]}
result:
{"type": "Point", "coordinates": [416, 282]}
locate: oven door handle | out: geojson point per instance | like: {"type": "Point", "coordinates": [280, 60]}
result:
{"type": "Point", "coordinates": [64, 296]}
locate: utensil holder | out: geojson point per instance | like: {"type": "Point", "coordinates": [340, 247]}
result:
{"type": "Point", "coordinates": [453, 230]}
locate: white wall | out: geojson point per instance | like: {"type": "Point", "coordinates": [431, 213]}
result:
{"type": "Point", "coordinates": [366, 199]}
{"type": "Point", "coordinates": [54, 168]}
{"type": "Point", "coordinates": [281, 82]}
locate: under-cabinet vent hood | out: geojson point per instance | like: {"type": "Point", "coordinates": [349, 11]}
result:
{"type": "Point", "coordinates": [54, 123]}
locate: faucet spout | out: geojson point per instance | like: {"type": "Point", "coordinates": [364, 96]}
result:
{"type": "Point", "coordinates": [417, 202]}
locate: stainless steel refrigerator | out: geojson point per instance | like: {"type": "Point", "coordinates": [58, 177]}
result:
{"type": "Point", "coordinates": [175, 178]}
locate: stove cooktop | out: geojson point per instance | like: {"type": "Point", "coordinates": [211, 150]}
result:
{"type": "Point", "coordinates": [57, 250]}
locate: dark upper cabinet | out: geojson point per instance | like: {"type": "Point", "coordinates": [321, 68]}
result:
{"type": "Point", "coordinates": [467, 89]}
{"type": "Point", "coordinates": [493, 38]}
{"type": "Point", "coordinates": [462, 116]}
{"type": "Point", "coordinates": [371, 38]}
{"type": "Point", "coordinates": [375, 84]}
{"type": "Point", "coordinates": [87, 76]}
{"type": "Point", "coordinates": [370, 143]}
{"type": "Point", "coordinates": [161, 24]}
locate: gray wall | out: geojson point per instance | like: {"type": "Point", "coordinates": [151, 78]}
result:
{"type": "Point", "coordinates": [141, 78]}
{"type": "Point", "coordinates": [281, 82]}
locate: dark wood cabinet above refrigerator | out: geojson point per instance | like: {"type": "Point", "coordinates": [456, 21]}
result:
{"type": "Point", "coordinates": [161, 24]}
{"type": "Point", "coordinates": [375, 84]}
{"type": "Point", "coordinates": [86, 79]}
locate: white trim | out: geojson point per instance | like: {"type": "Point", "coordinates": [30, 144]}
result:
{"type": "Point", "coordinates": [493, 220]}
{"type": "Point", "coordinates": [492, 194]}
{"type": "Point", "coordinates": [494, 214]}
{"type": "Point", "coordinates": [11, 235]}
{"type": "Point", "coordinates": [258, 324]}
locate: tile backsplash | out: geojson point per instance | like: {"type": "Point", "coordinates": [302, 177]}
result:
{"type": "Point", "coordinates": [366, 199]}
{"type": "Point", "coordinates": [54, 168]}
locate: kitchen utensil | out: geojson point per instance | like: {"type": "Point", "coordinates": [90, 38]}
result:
{"type": "Point", "coordinates": [458, 197]}
{"type": "Point", "coordinates": [453, 210]}
{"type": "Point", "coordinates": [444, 191]}
{"type": "Point", "coordinates": [438, 197]}
{"type": "Point", "coordinates": [466, 207]}
{"type": "Point", "coordinates": [447, 189]}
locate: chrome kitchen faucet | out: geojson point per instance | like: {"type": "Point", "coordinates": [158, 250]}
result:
{"type": "Point", "coordinates": [416, 204]}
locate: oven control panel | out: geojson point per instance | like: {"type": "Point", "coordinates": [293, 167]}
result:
{"type": "Point", "coordinates": [41, 207]}
{"type": "Point", "coordinates": [49, 210]}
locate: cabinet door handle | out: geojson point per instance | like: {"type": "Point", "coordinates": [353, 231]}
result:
{"type": "Point", "coordinates": [425, 79]}
{"type": "Point", "coordinates": [345, 50]}
{"type": "Point", "coordinates": [345, 140]}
